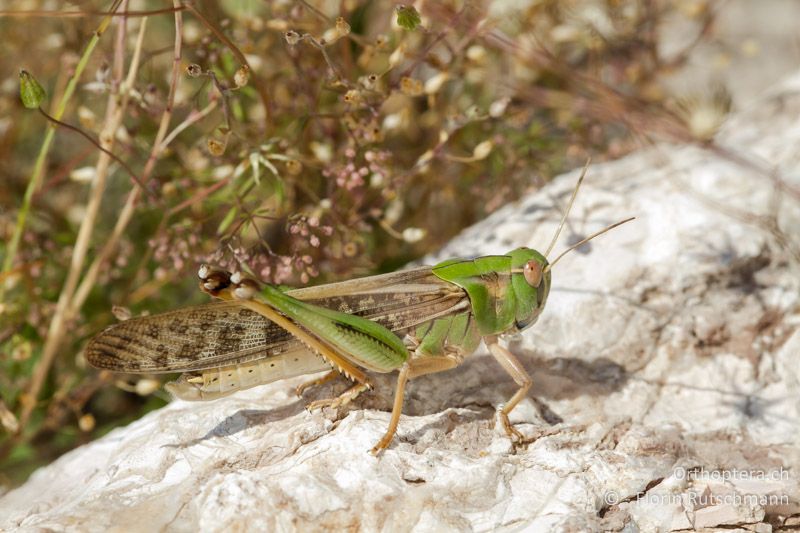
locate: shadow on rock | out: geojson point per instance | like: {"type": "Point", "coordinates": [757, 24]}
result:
{"type": "Point", "coordinates": [245, 419]}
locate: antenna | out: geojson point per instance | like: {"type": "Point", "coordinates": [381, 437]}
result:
{"type": "Point", "coordinates": [587, 239]}
{"type": "Point", "coordinates": [571, 201]}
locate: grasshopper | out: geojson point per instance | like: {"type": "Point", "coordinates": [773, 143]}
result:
{"type": "Point", "coordinates": [418, 321]}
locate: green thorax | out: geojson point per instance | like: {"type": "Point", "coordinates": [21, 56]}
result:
{"type": "Point", "coordinates": [501, 299]}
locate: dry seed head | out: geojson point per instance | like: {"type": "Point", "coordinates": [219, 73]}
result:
{"type": "Point", "coordinates": [292, 37]}
{"type": "Point", "coordinates": [86, 423]}
{"type": "Point", "coordinates": [342, 27]}
{"type": "Point", "coordinates": [482, 150]}
{"type": "Point", "coordinates": [323, 152]}
{"type": "Point", "coordinates": [373, 133]}
{"type": "Point", "coordinates": [331, 35]}
{"type": "Point", "coordinates": [434, 84]}
{"type": "Point", "coordinates": [397, 56]}
{"type": "Point", "coordinates": [498, 107]}
{"type": "Point", "coordinates": [352, 96]}
{"type": "Point", "coordinates": [393, 121]}
{"type": "Point", "coordinates": [368, 82]}
{"type": "Point", "coordinates": [294, 167]}
{"type": "Point", "coordinates": [476, 54]}
{"type": "Point", "coordinates": [473, 112]}
{"type": "Point", "coordinates": [242, 76]}
{"type": "Point", "coordinates": [350, 249]}
{"type": "Point", "coordinates": [7, 419]}
{"type": "Point", "coordinates": [216, 147]}
{"type": "Point", "coordinates": [410, 86]}
{"type": "Point", "coordinates": [193, 70]}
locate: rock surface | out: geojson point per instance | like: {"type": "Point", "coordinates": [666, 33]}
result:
{"type": "Point", "coordinates": [666, 385]}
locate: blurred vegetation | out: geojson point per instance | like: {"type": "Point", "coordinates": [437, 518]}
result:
{"type": "Point", "coordinates": [305, 141]}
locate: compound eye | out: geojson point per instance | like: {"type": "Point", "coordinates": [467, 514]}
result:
{"type": "Point", "coordinates": [533, 273]}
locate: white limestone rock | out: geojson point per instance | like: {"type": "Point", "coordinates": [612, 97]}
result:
{"type": "Point", "coordinates": [667, 357]}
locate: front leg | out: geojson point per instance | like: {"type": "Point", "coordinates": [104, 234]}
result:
{"type": "Point", "coordinates": [515, 369]}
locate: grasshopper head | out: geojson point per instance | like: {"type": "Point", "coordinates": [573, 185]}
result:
{"type": "Point", "coordinates": [531, 284]}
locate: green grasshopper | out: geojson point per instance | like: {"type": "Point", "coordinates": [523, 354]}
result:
{"type": "Point", "coordinates": [418, 321]}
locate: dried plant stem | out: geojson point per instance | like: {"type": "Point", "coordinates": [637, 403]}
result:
{"type": "Point", "coordinates": [319, 46]}
{"type": "Point", "coordinates": [114, 114]}
{"type": "Point", "coordinates": [223, 91]}
{"type": "Point", "coordinates": [161, 141]}
{"type": "Point", "coordinates": [86, 13]}
{"type": "Point", "coordinates": [41, 158]}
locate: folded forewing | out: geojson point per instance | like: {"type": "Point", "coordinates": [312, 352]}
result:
{"type": "Point", "coordinates": [226, 333]}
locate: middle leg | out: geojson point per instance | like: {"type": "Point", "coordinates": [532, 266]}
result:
{"type": "Point", "coordinates": [411, 369]}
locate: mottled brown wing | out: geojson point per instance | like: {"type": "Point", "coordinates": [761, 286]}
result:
{"type": "Point", "coordinates": [225, 333]}
{"type": "Point", "coordinates": [192, 338]}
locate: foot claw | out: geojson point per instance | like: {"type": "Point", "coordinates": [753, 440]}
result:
{"type": "Point", "coordinates": [321, 404]}
{"type": "Point", "coordinates": [343, 399]}
{"type": "Point", "coordinates": [381, 445]}
{"type": "Point", "coordinates": [516, 436]}
{"type": "Point", "coordinates": [300, 389]}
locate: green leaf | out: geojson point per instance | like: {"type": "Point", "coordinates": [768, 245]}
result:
{"type": "Point", "coordinates": [408, 17]}
{"type": "Point", "coordinates": [228, 220]}
{"type": "Point", "coordinates": [31, 93]}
